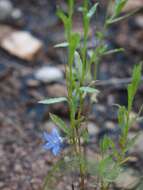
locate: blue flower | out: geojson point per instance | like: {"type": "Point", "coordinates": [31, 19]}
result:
{"type": "Point", "coordinates": [53, 141]}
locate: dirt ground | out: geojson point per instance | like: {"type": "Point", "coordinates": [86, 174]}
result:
{"type": "Point", "coordinates": [23, 162]}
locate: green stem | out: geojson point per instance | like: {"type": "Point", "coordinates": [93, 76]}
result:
{"type": "Point", "coordinates": [85, 37]}
{"type": "Point", "coordinates": [70, 82]}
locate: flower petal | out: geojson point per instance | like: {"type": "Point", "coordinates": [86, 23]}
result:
{"type": "Point", "coordinates": [56, 150]}
{"type": "Point", "coordinates": [55, 132]}
{"type": "Point", "coordinates": [47, 136]}
{"type": "Point", "coordinates": [47, 146]}
{"type": "Point", "coordinates": [56, 135]}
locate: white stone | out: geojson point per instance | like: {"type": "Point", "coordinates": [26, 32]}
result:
{"type": "Point", "coordinates": [133, 4]}
{"type": "Point", "coordinates": [49, 74]}
{"type": "Point", "coordinates": [127, 179]}
{"type": "Point", "coordinates": [21, 44]}
{"type": "Point", "coordinates": [92, 128]}
{"type": "Point", "coordinates": [16, 14]}
{"type": "Point", "coordinates": [138, 146]}
{"type": "Point", "coordinates": [139, 20]}
{"type": "Point", "coordinates": [6, 9]}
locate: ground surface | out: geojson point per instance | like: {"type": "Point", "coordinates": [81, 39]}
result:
{"type": "Point", "coordinates": [23, 163]}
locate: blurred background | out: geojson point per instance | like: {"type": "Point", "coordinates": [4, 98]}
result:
{"type": "Point", "coordinates": [32, 69]}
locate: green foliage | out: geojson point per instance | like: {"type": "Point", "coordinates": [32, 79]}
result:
{"type": "Point", "coordinates": [119, 5]}
{"type": "Point", "coordinates": [65, 20]}
{"type": "Point", "coordinates": [73, 44]}
{"type": "Point", "coordinates": [60, 123]}
{"type": "Point", "coordinates": [53, 100]}
{"type": "Point", "coordinates": [113, 51]}
{"type": "Point", "coordinates": [80, 70]}
{"type": "Point", "coordinates": [63, 167]}
{"type": "Point", "coordinates": [92, 11]}
{"type": "Point", "coordinates": [105, 144]}
{"type": "Point", "coordinates": [122, 116]}
{"type": "Point", "coordinates": [120, 18]}
{"type": "Point", "coordinates": [88, 89]}
{"type": "Point", "coordinates": [108, 170]}
{"type": "Point", "coordinates": [78, 66]}
{"type": "Point", "coordinates": [61, 45]}
{"type": "Point", "coordinates": [85, 135]}
{"type": "Point", "coordinates": [132, 88]}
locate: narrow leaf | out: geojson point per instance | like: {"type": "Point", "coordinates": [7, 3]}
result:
{"type": "Point", "coordinates": [60, 123]}
{"type": "Point", "coordinates": [114, 20]}
{"type": "Point", "coordinates": [119, 5]}
{"type": "Point", "coordinates": [92, 11]}
{"type": "Point", "coordinates": [78, 65]}
{"type": "Point", "coordinates": [61, 45]}
{"type": "Point", "coordinates": [53, 100]}
{"type": "Point", "coordinates": [132, 88]}
{"type": "Point", "coordinates": [113, 51]}
{"type": "Point", "coordinates": [89, 90]}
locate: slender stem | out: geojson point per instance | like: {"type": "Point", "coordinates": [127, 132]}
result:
{"type": "Point", "coordinates": [75, 135]}
{"type": "Point", "coordinates": [85, 37]}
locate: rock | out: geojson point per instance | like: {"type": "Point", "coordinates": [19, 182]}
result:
{"type": "Point", "coordinates": [139, 20]}
{"type": "Point", "coordinates": [1, 184]}
{"type": "Point", "coordinates": [53, 89]}
{"type": "Point", "coordinates": [16, 14]}
{"type": "Point", "coordinates": [18, 168]}
{"type": "Point", "coordinates": [92, 129]}
{"type": "Point", "coordinates": [127, 179]}
{"type": "Point", "coordinates": [32, 83]}
{"type": "Point", "coordinates": [8, 11]}
{"type": "Point", "coordinates": [133, 4]}
{"type": "Point", "coordinates": [49, 74]}
{"type": "Point", "coordinates": [110, 125]}
{"type": "Point", "coordinates": [93, 156]}
{"type": "Point", "coordinates": [5, 31]}
{"type": "Point", "coordinates": [21, 44]}
{"type": "Point", "coordinates": [138, 147]}
{"type": "Point", "coordinates": [48, 126]}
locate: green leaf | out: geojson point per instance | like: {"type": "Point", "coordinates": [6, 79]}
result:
{"type": "Point", "coordinates": [89, 90]}
{"type": "Point", "coordinates": [85, 135]}
{"type": "Point", "coordinates": [113, 51]}
{"type": "Point", "coordinates": [49, 181]}
{"type": "Point", "coordinates": [53, 100]}
{"type": "Point", "coordinates": [63, 17]}
{"type": "Point", "coordinates": [108, 169]}
{"type": "Point", "coordinates": [92, 11]}
{"type": "Point", "coordinates": [61, 168]}
{"type": "Point", "coordinates": [66, 21]}
{"type": "Point", "coordinates": [119, 5]}
{"type": "Point", "coordinates": [60, 123]}
{"type": "Point", "coordinates": [78, 65]}
{"type": "Point", "coordinates": [106, 143]}
{"type": "Point", "coordinates": [122, 116]}
{"type": "Point", "coordinates": [74, 41]}
{"type": "Point", "coordinates": [73, 44]}
{"type": "Point", "coordinates": [114, 20]}
{"type": "Point", "coordinates": [132, 88]}
{"type": "Point", "coordinates": [61, 45]}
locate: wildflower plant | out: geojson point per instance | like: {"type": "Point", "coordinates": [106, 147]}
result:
{"type": "Point", "coordinates": [53, 141]}
{"type": "Point", "coordinates": [81, 73]}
